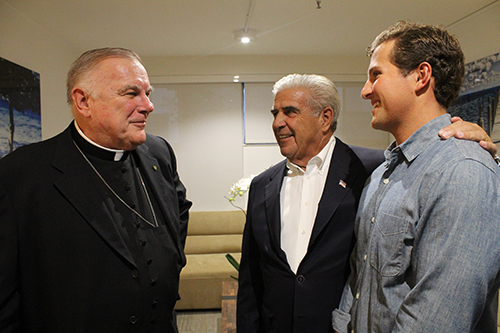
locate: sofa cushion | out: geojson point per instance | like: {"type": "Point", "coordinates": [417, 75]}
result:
{"type": "Point", "coordinates": [202, 244]}
{"type": "Point", "coordinates": [211, 235]}
{"type": "Point", "coordinates": [209, 266]}
{"type": "Point", "coordinates": [200, 285]}
{"type": "Point", "coordinates": [216, 223]}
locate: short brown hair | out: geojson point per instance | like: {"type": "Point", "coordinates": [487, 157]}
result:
{"type": "Point", "coordinates": [417, 43]}
{"type": "Point", "coordinates": [84, 65]}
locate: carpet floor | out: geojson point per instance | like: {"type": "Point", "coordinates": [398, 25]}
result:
{"type": "Point", "coordinates": [199, 321]}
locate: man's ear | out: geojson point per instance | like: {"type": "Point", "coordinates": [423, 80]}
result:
{"type": "Point", "coordinates": [423, 77]}
{"type": "Point", "coordinates": [326, 118]}
{"type": "Point", "coordinates": [81, 101]}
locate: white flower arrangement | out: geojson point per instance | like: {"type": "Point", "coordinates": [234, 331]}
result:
{"type": "Point", "coordinates": [238, 189]}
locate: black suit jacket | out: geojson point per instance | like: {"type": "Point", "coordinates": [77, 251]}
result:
{"type": "Point", "coordinates": [271, 298]}
{"type": "Point", "coordinates": [64, 267]}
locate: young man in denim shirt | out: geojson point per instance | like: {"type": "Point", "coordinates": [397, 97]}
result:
{"type": "Point", "coordinates": [427, 257]}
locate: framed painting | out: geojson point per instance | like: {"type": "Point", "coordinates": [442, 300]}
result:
{"type": "Point", "coordinates": [20, 111]}
{"type": "Point", "coordinates": [479, 96]}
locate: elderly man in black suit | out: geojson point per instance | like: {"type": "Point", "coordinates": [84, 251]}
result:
{"type": "Point", "coordinates": [93, 221]}
{"type": "Point", "coordinates": [300, 216]}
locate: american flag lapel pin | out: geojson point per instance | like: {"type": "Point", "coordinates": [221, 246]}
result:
{"type": "Point", "coordinates": [342, 183]}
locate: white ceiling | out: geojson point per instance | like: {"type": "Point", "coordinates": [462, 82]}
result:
{"type": "Point", "coordinates": [206, 27]}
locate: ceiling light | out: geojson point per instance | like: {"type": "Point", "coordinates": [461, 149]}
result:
{"type": "Point", "coordinates": [245, 36]}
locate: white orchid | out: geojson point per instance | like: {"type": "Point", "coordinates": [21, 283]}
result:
{"type": "Point", "coordinates": [240, 187]}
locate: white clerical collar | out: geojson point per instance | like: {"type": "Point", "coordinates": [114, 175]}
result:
{"type": "Point", "coordinates": [118, 153]}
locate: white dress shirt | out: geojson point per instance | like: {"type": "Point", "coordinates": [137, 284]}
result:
{"type": "Point", "coordinates": [299, 199]}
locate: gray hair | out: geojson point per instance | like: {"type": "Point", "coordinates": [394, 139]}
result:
{"type": "Point", "coordinates": [323, 93]}
{"type": "Point", "coordinates": [86, 63]}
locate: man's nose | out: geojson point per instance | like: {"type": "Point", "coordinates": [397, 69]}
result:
{"type": "Point", "coordinates": [278, 121]}
{"type": "Point", "coordinates": [147, 104]}
{"type": "Point", "coordinates": [367, 90]}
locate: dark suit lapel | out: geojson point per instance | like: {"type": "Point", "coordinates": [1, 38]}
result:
{"type": "Point", "coordinates": [341, 176]}
{"type": "Point", "coordinates": [79, 187]}
{"type": "Point", "coordinates": [272, 200]}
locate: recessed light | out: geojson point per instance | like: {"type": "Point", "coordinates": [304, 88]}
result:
{"type": "Point", "coordinates": [245, 36]}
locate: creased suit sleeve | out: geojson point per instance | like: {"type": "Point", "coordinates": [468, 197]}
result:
{"type": "Point", "coordinates": [183, 203]}
{"type": "Point", "coordinates": [9, 295]}
{"type": "Point", "coordinates": [251, 289]}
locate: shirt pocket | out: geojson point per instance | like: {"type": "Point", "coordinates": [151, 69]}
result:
{"type": "Point", "coordinates": [387, 244]}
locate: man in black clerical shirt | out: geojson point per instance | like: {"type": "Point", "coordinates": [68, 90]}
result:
{"type": "Point", "coordinates": [93, 221]}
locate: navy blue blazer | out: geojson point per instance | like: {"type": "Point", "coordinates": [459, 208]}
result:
{"type": "Point", "coordinates": [271, 298]}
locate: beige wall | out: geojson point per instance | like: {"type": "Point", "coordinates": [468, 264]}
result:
{"type": "Point", "coordinates": [252, 68]}
{"type": "Point", "coordinates": [24, 42]}
{"type": "Point", "coordinates": [229, 159]}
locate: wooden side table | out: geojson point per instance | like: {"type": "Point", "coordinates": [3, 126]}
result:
{"type": "Point", "coordinates": [228, 312]}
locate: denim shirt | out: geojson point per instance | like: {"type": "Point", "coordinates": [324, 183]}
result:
{"type": "Point", "coordinates": [427, 257]}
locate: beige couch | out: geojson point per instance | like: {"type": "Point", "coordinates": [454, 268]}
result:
{"type": "Point", "coordinates": [211, 235]}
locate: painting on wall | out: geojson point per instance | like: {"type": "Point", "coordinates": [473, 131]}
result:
{"type": "Point", "coordinates": [478, 100]}
{"type": "Point", "coordinates": [20, 114]}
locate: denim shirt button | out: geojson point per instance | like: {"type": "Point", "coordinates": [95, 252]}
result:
{"type": "Point", "coordinates": [386, 181]}
{"type": "Point", "coordinates": [301, 278]}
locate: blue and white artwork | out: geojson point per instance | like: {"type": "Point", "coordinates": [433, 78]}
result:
{"type": "Point", "coordinates": [481, 74]}
{"type": "Point", "coordinates": [20, 114]}
{"type": "Point", "coordinates": [478, 100]}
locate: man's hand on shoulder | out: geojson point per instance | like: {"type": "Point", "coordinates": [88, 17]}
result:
{"type": "Point", "coordinates": [468, 131]}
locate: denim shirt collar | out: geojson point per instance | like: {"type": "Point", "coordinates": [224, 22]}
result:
{"type": "Point", "coordinates": [419, 140]}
